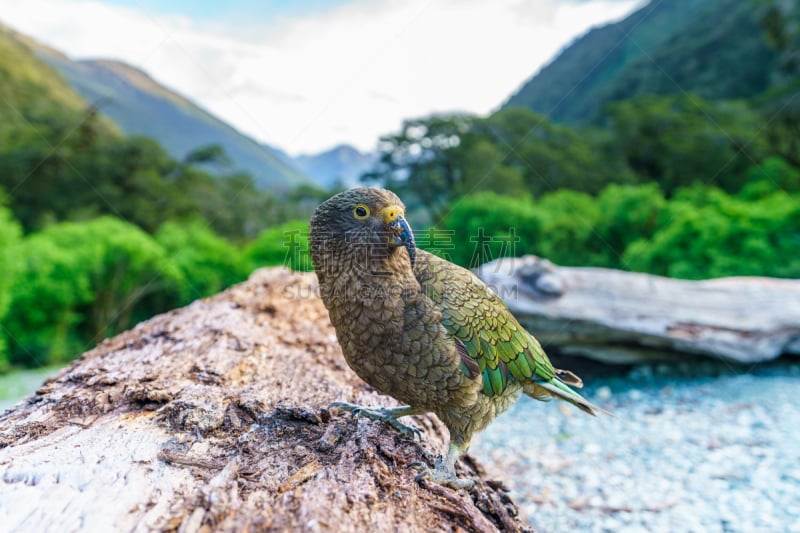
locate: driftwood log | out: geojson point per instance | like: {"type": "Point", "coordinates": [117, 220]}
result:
{"type": "Point", "coordinates": [214, 418]}
{"type": "Point", "coordinates": [624, 317]}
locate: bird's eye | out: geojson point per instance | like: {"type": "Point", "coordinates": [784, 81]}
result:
{"type": "Point", "coordinates": [361, 211]}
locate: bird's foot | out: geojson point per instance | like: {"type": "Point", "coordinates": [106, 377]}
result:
{"type": "Point", "coordinates": [442, 474]}
{"type": "Point", "coordinates": [383, 414]}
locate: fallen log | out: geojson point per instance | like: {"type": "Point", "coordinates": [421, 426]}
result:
{"type": "Point", "coordinates": [625, 317]}
{"type": "Point", "coordinates": [214, 418]}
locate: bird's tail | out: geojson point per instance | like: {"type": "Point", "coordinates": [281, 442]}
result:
{"type": "Point", "coordinates": [555, 388]}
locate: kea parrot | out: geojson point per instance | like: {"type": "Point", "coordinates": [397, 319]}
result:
{"type": "Point", "coordinates": [423, 330]}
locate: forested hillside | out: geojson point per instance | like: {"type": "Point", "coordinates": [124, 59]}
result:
{"type": "Point", "coordinates": [716, 49]}
{"type": "Point", "coordinates": [141, 106]}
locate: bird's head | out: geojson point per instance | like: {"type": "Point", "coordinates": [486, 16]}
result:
{"type": "Point", "coordinates": [365, 219]}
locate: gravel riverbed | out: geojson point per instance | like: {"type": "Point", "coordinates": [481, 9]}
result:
{"type": "Point", "coordinates": [698, 448]}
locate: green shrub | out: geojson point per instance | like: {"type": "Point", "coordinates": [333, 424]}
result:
{"type": "Point", "coordinates": [706, 233]}
{"type": "Point", "coordinates": [207, 262]}
{"type": "Point", "coordinates": [626, 213]}
{"type": "Point", "coordinates": [702, 232]}
{"type": "Point", "coordinates": [568, 229]}
{"type": "Point", "coordinates": [10, 232]}
{"type": "Point", "coordinates": [486, 226]}
{"type": "Point", "coordinates": [80, 282]}
{"type": "Point", "coordinates": [285, 245]}
{"type": "Point", "coordinates": [774, 174]}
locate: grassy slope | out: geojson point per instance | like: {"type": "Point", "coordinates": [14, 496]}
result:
{"type": "Point", "coordinates": [30, 90]}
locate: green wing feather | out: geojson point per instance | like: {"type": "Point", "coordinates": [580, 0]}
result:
{"type": "Point", "coordinates": [479, 319]}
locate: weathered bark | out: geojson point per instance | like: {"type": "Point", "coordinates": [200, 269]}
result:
{"type": "Point", "coordinates": [214, 417]}
{"type": "Point", "coordinates": [622, 317]}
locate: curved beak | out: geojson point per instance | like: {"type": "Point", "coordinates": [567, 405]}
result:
{"type": "Point", "coordinates": [403, 236]}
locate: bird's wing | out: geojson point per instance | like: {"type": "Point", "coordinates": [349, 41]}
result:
{"type": "Point", "coordinates": [482, 326]}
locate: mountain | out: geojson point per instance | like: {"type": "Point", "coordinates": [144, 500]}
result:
{"type": "Point", "coordinates": [341, 165]}
{"type": "Point", "coordinates": [717, 49]}
{"type": "Point", "coordinates": [142, 106]}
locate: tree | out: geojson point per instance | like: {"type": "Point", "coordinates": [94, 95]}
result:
{"type": "Point", "coordinates": [781, 22]}
{"type": "Point", "coordinates": [57, 172]}
{"type": "Point", "coordinates": [421, 162]}
{"type": "Point", "coordinates": [680, 140]}
{"type": "Point", "coordinates": [436, 160]}
{"type": "Point", "coordinates": [781, 105]}
{"type": "Point", "coordinates": [551, 156]}
{"type": "Point", "coordinates": [125, 177]}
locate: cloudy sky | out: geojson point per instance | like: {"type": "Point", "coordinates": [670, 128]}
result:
{"type": "Point", "coordinates": [305, 75]}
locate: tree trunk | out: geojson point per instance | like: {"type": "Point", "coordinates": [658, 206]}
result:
{"type": "Point", "coordinates": [214, 418]}
{"type": "Point", "coordinates": [627, 317]}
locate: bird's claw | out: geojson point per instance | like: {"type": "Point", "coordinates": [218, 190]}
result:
{"type": "Point", "coordinates": [381, 414]}
{"type": "Point", "coordinates": [411, 431]}
{"type": "Point", "coordinates": [440, 475]}
{"type": "Point", "coordinates": [351, 408]}
{"type": "Point", "coordinates": [418, 465]}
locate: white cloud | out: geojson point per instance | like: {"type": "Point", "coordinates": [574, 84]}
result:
{"type": "Point", "coordinates": [348, 75]}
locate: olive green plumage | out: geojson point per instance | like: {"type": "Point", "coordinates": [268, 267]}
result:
{"type": "Point", "coordinates": [431, 335]}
